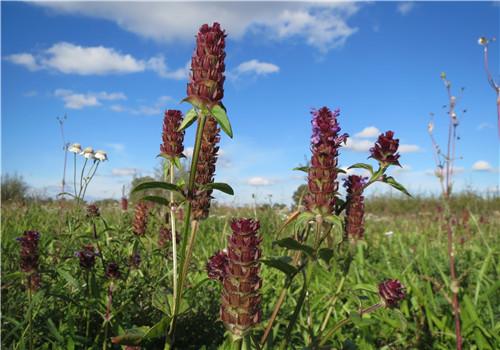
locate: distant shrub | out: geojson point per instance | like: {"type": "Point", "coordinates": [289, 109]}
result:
{"type": "Point", "coordinates": [14, 188]}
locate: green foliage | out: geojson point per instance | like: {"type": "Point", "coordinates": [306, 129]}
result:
{"type": "Point", "coordinates": [415, 253]}
{"type": "Point", "coordinates": [14, 188]}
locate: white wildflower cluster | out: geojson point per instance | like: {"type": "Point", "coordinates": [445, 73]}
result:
{"type": "Point", "coordinates": [88, 152]}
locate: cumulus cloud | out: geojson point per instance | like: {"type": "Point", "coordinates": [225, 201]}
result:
{"type": "Point", "coordinates": [408, 148]}
{"type": "Point", "coordinates": [76, 100]}
{"type": "Point", "coordinates": [155, 108]}
{"type": "Point", "coordinates": [321, 25]}
{"type": "Point", "coordinates": [69, 58]}
{"type": "Point", "coordinates": [24, 59]}
{"type": "Point", "coordinates": [259, 181]}
{"type": "Point", "coordinates": [482, 165]}
{"type": "Point", "coordinates": [256, 67]}
{"type": "Point", "coordinates": [405, 8]}
{"type": "Point", "coordinates": [368, 132]}
{"type": "Point", "coordinates": [358, 145]}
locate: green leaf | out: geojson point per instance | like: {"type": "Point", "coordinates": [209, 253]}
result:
{"type": "Point", "coordinates": [305, 217]}
{"type": "Point", "coordinates": [220, 186]}
{"type": "Point", "coordinates": [391, 181]}
{"type": "Point", "coordinates": [220, 115]}
{"type": "Point", "coordinates": [131, 337]}
{"type": "Point", "coordinates": [302, 168]}
{"type": "Point", "coordinates": [292, 244]}
{"type": "Point", "coordinates": [362, 166]}
{"type": "Point", "coordinates": [334, 220]}
{"type": "Point", "coordinates": [326, 254]}
{"type": "Point", "coordinates": [157, 199]}
{"type": "Point", "coordinates": [368, 287]}
{"type": "Point", "coordinates": [158, 330]}
{"type": "Point", "coordinates": [196, 101]}
{"type": "Point", "coordinates": [281, 263]}
{"type": "Point", "coordinates": [189, 119]}
{"type": "Point", "coordinates": [157, 185]}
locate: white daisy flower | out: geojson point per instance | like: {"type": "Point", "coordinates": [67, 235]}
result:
{"type": "Point", "coordinates": [101, 155]}
{"type": "Point", "coordinates": [88, 153]}
{"type": "Point", "coordinates": [75, 148]}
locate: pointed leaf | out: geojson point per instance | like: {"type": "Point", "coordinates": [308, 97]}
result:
{"type": "Point", "coordinates": [302, 168]}
{"type": "Point", "coordinates": [362, 166]}
{"type": "Point", "coordinates": [281, 264]}
{"type": "Point", "coordinates": [292, 244]}
{"type": "Point", "coordinates": [220, 115]}
{"type": "Point", "coordinates": [391, 181]}
{"type": "Point", "coordinates": [189, 119]}
{"type": "Point", "coordinates": [326, 254]}
{"type": "Point", "coordinates": [220, 186]}
{"type": "Point", "coordinates": [158, 330]}
{"type": "Point", "coordinates": [157, 199]}
{"type": "Point", "coordinates": [131, 337]}
{"type": "Point", "coordinates": [157, 185]}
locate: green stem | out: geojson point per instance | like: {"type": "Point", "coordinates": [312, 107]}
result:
{"type": "Point", "coordinates": [174, 234]}
{"type": "Point", "coordinates": [332, 304]}
{"type": "Point", "coordinates": [30, 313]}
{"type": "Point", "coordinates": [87, 182]}
{"type": "Point", "coordinates": [184, 259]}
{"type": "Point", "coordinates": [346, 321]}
{"type": "Point", "coordinates": [74, 172]}
{"type": "Point", "coordinates": [81, 181]}
{"type": "Point", "coordinates": [87, 322]}
{"type": "Point", "coordinates": [238, 344]}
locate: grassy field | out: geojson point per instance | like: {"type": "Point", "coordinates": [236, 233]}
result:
{"type": "Point", "coordinates": [405, 239]}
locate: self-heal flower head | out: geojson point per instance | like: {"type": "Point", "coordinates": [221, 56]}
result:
{"type": "Point", "coordinates": [206, 83]}
{"type": "Point", "coordinates": [391, 292]}
{"type": "Point", "coordinates": [75, 148]}
{"type": "Point", "coordinates": [135, 260]}
{"type": "Point", "coordinates": [322, 175]}
{"type": "Point", "coordinates": [87, 256]}
{"type": "Point", "coordinates": [88, 153]}
{"type": "Point", "coordinates": [165, 236]}
{"type": "Point", "coordinates": [241, 300]}
{"type": "Point", "coordinates": [217, 265]}
{"type": "Point", "coordinates": [29, 251]}
{"type": "Point", "coordinates": [101, 155]}
{"type": "Point", "coordinates": [112, 271]}
{"type": "Point", "coordinates": [172, 138]}
{"type": "Point", "coordinates": [140, 219]}
{"type": "Point", "coordinates": [386, 149]}
{"type": "Point", "coordinates": [93, 211]}
{"type": "Point", "coordinates": [355, 209]}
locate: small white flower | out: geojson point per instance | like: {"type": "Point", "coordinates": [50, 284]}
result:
{"type": "Point", "coordinates": [482, 41]}
{"type": "Point", "coordinates": [88, 153]}
{"type": "Point", "coordinates": [389, 233]}
{"type": "Point", "coordinates": [75, 148]}
{"type": "Point", "coordinates": [101, 155]}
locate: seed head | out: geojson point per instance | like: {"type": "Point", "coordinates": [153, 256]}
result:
{"type": "Point", "coordinates": [29, 251]}
{"type": "Point", "coordinates": [207, 65]}
{"type": "Point", "coordinates": [322, 178]}
{"type": "Point", "coordinates": [386, 149]}
{"type": "Point", "coordinates": [87, 256]}
{"type": "Point", "coordinates": [391, 292]}
{"type": "Point", "coordinates": [88, 153]}
{"type": "Point", "coordinates": [172, 138]}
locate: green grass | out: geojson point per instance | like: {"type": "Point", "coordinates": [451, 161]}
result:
{"type": "Point", "coordinates": [415, 253]}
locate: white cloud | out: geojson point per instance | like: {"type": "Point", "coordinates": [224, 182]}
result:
{"type": "Point", "coordinates": [69, 58]}
{"type": "Point", "coordinates": [403, 169]}
{"type": "Point", "coordinates": [368, 132]}
{"type": "Point", "coordinates": [405, 8]}
{"type": "Point", "coordinates": [188, 152]}
{"type": "Point", "coordinates": [408, 148]}
{"type": "Point", "coordinates": [124, 171]}
{"type": "Point", "coordinates": [76, 100]}
{"type": "Point", "coordinates": [156, 108]}
{"type": "Point", "coordinates": [321, 25]}
{"type": "Point", "coordinates": [483, 126]}
{"type": "Point", "coordinates": [259, 181]}
{"type": "Point", "coordinates": [24, 59]}
{"type": "Point", "coordinates": [256, 67]}
{"type": "Point", "coordinates": [482, 165]}
{"type": "Point", "coordinates": [358, 145]}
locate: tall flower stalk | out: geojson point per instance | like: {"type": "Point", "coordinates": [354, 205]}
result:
{"type": "Point", "coordinates": [445, 170]}
{"type": "Point", "coordinates": [355, 210]}
{"type": "Point", "coordinates": [172, 148]}
{"type": "Point", "coordinates": [484, 42]}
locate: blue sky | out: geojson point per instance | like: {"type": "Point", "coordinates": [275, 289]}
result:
{"type": "Point", "coordinates": [114, 67]}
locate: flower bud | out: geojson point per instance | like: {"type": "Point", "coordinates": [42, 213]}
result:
{"type": "Point", "coordinates": [385, 149]}
{"type": "Point", "coordinates": [391, 292]}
